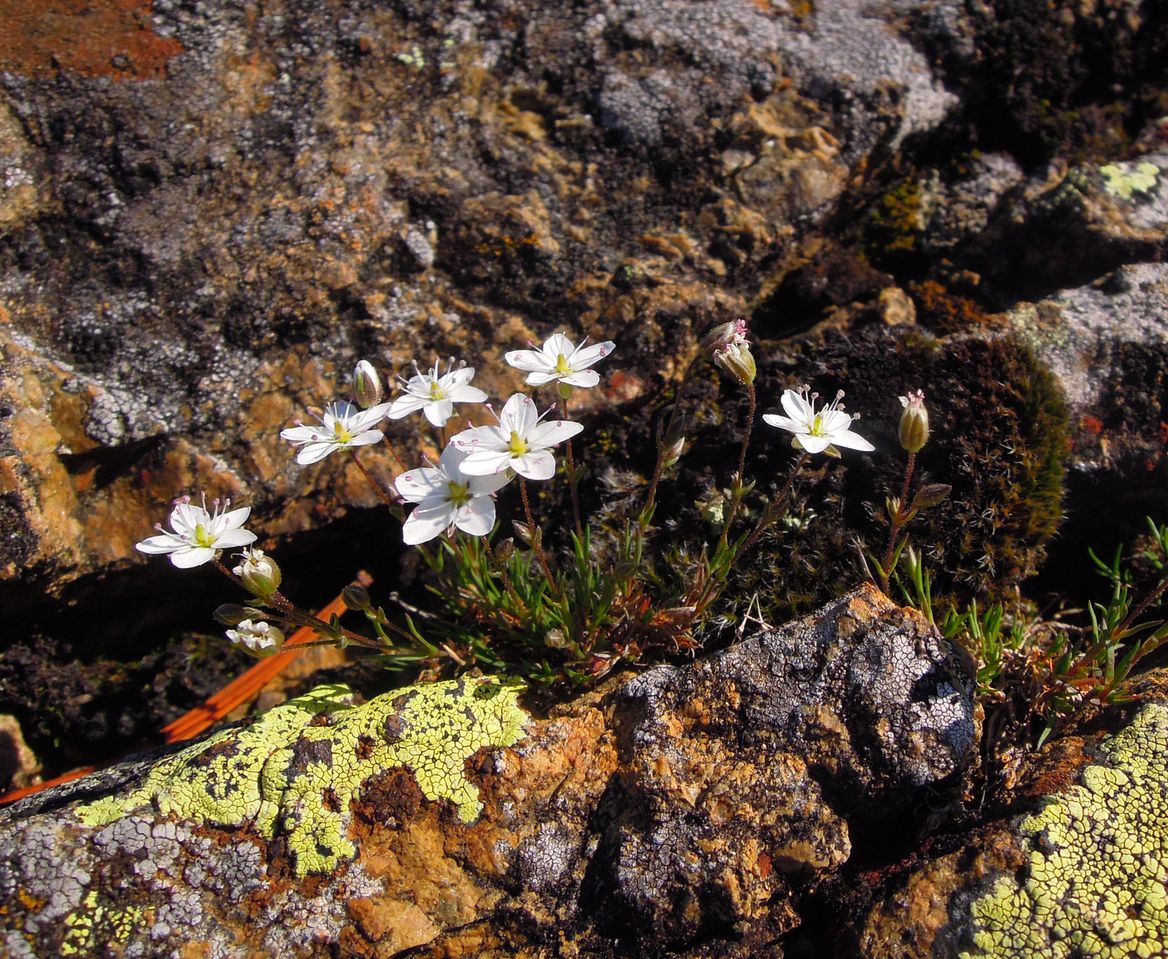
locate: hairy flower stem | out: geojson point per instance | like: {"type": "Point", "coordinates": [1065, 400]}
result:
{"type": "Point", "coordinates": [896, 523]}
{"type": "Point", "coordinates": [536, 538]}
{"type": "Point", "coordinates": [651, 496]}
{"type": "Point", "coordinates": [1139, 611]}
{"type": "Point", "coordinates": [292, 614]}
{"type": "Point", "coordinates": [739, 477]}
{"type": "Point", "coordinates": [506, 574]}
{"type": "Point", "coordinates": [572, 477]}
{"type": "Point", "coordinates": [775, 509]}
{"type": "Point", "coordinates": [386, 497]}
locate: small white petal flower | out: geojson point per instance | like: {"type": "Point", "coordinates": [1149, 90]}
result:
{"type": "Point", "coordinates": [559, 359]}
{"type": "Point", "coordinates": [817, 431]}
{"type": "Point", "coordinates": [521, 442]}
{"type": "Point", "coordinates": [435, 394]}
{"type": "Point", "coordinates": [343, 426]}
{"type": "Point", "coordinates": [259, 637]}
{"type": "Point", "coordinates": [447, 497]}
{"type": "Point", "coordinates": [199, 535]}
{"type": "Point", "coordinates": [258, 572]}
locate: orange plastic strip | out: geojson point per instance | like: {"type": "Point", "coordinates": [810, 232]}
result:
{"type": "Point", "coordinates": [234, 694]}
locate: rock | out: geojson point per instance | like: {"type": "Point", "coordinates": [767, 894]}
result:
{"type": "Point", "coordinates": [19, 766]}
{"type": "Point", "coordinates": [230, 209]}
{"type": "Point", "coordinates": [1107, 345]}
{"type": "Point", "coordinates": [1097, 215]}
{"type": "Point", "coordinates": [682, 809]}
{"type": "Point", "coordinates": [1078, 870]}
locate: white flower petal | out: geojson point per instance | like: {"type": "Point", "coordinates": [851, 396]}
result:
{"type": "Point", "coordinates": [519, 415]}
{"type": "Point", "coordinates": [486, 463]}
{"type": "Point", "coordinates": [367, 418]}
{"type": "Point", "coordinates": [585, 379]}
{"type": "Point", "coordinates": [467, 394]}
{"type": "Point", "coordinates": [423, 524]}
{"type": "Point", "coordinates": [364, 439]}
{"type": "Point", "coordinates": [418, 484]}
{"type": "Point", "coordinates": [314, 452]}
{"type": "Point", "coordinates": [406, 404]}
{"type": "Point", "coordinates": [797, 407]}
{"type": "Point", "coordinates": [852, 441]}
{"type": "Point", "coordinates": [234, 519]}
{"type": "Point", "coordinates": [528, 360]}
{"type": "Point", "coordinates": [831, 420]}
{"type": "Point", "coordinates": [536, 465]}
{"type": "Point", "coordinates": [233, 538]}
{"type": "Point", "coordinates": [813, 444]}
{"type": "Point", "coordinates": [484, 485]}
{"type": "Point", "coordinates": [439, 411]}
{"type": "Point", "coordinates": [450, 462]}
{"type": "Point", "coordinates": [783, 422]}
{"type": "Point", "coordinates": [192, 557]}
{"type": "Point", "coordinates": [456, 378]}
{"type": "Point", "coordinates": [558, 345]}
{"type": "Point", "coordinates": [477, 517]}
{"type": "Point", "coordinates": [163, 543]}
{"type": "Point", "coordinates": [479, 438]}
{"type": "Point", "coordinates": [186, 517]}
{"type": "Point", "coordinates": [302, 434]}
{"type": "Point", "coordinates": [552, 433]}
{"type": "Point", "coordinates": [585, 356]}
{"type": "Point", "coordinates": [541, 378]}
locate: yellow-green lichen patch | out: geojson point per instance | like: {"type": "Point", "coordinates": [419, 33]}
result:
{"type": "Point", "coordinates": [95, 927]}
{"type": "Point", "coordinates": [1098, 861]}
{"type": "Point", "coordinates": [296, 769]}
{"type": "Point", "coordinates": [1124, 179]}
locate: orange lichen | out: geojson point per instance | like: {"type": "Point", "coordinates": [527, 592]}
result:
{"type": "Point", "coordinates": [111, 38]}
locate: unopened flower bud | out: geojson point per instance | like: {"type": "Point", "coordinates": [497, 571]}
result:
{"type": "Point", "coordinates": [724, 334]}
{"type": "Point", "coordinates": [366, 385]}
{"type": "Point", "coordinates": [259, 573]}
{"type": "Point", "coordinates": [231, 614]}
{"type": "Point", "coordinates": [672, 453]}
{"type": "Point", "coordinates": [738, 361]}
{"type": "Point", "coordinates": [356, 597]}
{"type": "Point", "coordinates": [913, 430]}
{"type": "Point", "coordinates": [258, 638]}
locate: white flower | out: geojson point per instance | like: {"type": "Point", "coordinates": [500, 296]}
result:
{"type": "Point", "coordinates": [259, 637]}
{"type": "Point", "coordinates": [199, 535]}
{"type": "Point", "coordinates": [559, 359]}
{"type": "Point", "coordinates": [435, 395]}
{"type": "Point", "coordinates": [520, 442]}
{"type": "Point", "coordinates": [447, 497]}
{"type": "Point", "coordinates": [258, 572]}
{"type": "Point", "coordinates": [817, 431]}
{"type": "Point", "coordinates": [343, 426]}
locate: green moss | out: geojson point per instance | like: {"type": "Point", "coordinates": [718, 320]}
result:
{"type": "Point", "coordinates": [296, 769]}
{"type": "Point", "coordinates": [1094, 883]}
{"type": "Point", "coordinates": [895, 221]}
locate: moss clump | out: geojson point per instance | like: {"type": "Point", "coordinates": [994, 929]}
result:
{"type": "Point", "coordinates": [895, 222]}
{"type": "Point", "coordinates": [1093, 883]}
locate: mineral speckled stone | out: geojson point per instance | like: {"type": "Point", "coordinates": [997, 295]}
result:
{"type": "Point", "coordinates": [682, 809]}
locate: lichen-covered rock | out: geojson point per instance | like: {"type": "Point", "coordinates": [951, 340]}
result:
{"type": "Point", "coordinates": [232, 207]}
{"type": "Point", "coordinates": [681, 810]}
{"type": "Point", "coordinates": [1080, 873]}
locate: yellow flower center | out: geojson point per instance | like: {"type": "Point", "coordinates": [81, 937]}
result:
{"type": "Point", "coordinates": [517, 446]}
{"type": "Point", "coordinates": [201, 537]}
{"type": "Point", "coordinates": [816, 425]}
{"type": "Point", "coordinates": [458, 492]}
{"type": "Point", "coordinates": [341, 432]}
{"type": "Point", "coordinates": [562, 366]}
{"type": "Point", "coordinates": [436, 391]}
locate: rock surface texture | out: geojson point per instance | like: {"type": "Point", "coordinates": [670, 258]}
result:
{"type": "Point", "coordinates": [1079, 872]}
{"type": "Point", "coordinates": [681, 811]}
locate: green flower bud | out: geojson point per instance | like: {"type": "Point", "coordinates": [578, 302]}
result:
{"type": "Point", "coordinates": [913, 430]}
{"type": "Point", "coordinates": [366, 385]}
{"type": "Point", "coordinates": [738, 361]}
{"type": "Point", "coordinates": [259, 573]}
{"type": "Point", "coordinates": [231, 614]}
